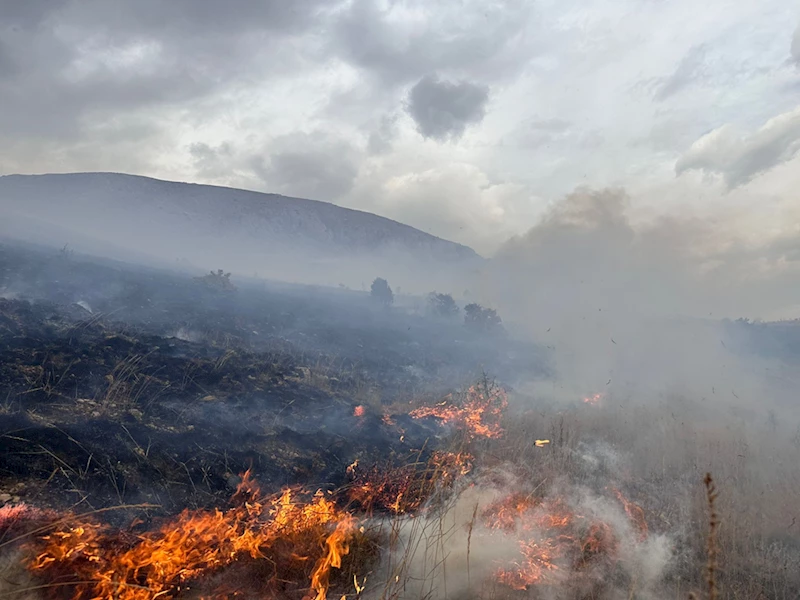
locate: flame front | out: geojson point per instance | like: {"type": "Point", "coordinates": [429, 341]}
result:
{"type": "Point", "coordinates": [160, 563]}
{"type": "Point", "coordinates": [479, 415]}
{"type": "Point", "coordinates": [337, 546]}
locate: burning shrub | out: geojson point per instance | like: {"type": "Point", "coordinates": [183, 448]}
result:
{"type": "Point", "coordinates": [381, 292]}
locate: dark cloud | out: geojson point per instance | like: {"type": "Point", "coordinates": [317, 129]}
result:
{"type": "Point", "coordinates": [739, 158]}
{"type": "Point", "coordinates": [63, 61]}
{"type": "Point", "coordinates": [30, 13]}
{"type": "Point", "coordinates": [689, 70]}
{"type": "Point", "coordinates": [442, 110]}
{"type": "Point", "coordinates": [484, 39]}
{"type": "Point", "coordinates": [309, 166]}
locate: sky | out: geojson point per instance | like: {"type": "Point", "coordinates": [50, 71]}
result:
{"type": "Point", "coordinates": [468, 119]}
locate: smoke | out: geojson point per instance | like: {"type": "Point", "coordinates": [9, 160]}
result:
{"type": "Point", "coordinates": [462, 551]}
{"type": "Point", "coordinates": [587, 255]}
{"type": "Point", "coordinates": [635, 308]}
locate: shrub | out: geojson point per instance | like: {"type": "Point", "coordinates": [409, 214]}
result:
{"type": "Point", "coordinates": [219, 280]}
{"type": "Point", "coordinates": [481, 319]}
{"type": "Point", "coordinates": [381, 292]}
{"type": "Point", "coordinates": [442, 305]}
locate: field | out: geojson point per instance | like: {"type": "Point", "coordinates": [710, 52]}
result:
{"type": "Point", "coordinates": [165, 436]}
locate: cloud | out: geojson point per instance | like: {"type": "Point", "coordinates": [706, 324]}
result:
{"type": "Point", "coordinates": [795, 49]}
{"type": "Point", "coordinates": [737, 157]}
{"type": "Point", "coordinates": [689, 70]}
{"type": "Point", "coordinates": [380, 139]}
{"type": "Point", "coordinates": [456, 201]}
{"type": "Point", "coordinates": [311, 165]}
{"type": "Point", "coordinates": [211, 162]}
{"type": "Point", "coordinates": [399, 42]}
{"type": "Point", "coordinates": [442, 110]}
{"type": "Point", "coordinates": [65, 63]}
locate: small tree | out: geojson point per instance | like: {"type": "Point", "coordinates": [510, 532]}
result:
{"type": "Point", "coordinates": [219, 280]}
{"type": "Point", "coordinates": [442, 305]}
{"type": "Point", "coordinates": [381, 292]}
{"type": "Point", "coordinates": [481, 319]}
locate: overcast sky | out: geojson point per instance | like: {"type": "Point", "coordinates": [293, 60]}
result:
{"type": "Point", "coordinates": [467, 119]}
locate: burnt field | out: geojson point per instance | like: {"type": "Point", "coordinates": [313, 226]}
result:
{"type": "Point", "coordinates": [164, 436]}
{"type": "Point", "coordinates": [121, 385]}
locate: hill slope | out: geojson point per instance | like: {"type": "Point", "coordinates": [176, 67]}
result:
{"type": "Point", "coordinates": [127, 216]}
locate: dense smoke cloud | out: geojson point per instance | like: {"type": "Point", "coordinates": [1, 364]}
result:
{"type": "Point", "coordinates": [587, 255]}
{"type": "Point", "coordinates": [634, 308]}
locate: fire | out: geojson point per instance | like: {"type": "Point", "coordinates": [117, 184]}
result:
{"type": "Point", "coordinates": [359, 411]}
{"type": "Point", "coordinates": [338, 545]}
{"type": "Point", "coordinates": [635, 514]}
{"type": "Point", "coordinates": [479, 415]}
{"type": "Point", "coordinates": [122, 566]}
{"type": "Point", "coordinates": [593, 399]}
{"type": "Point", "coordinates": [404, 489]}
{"type": "Point", "coordinates": [552, 537]}
{"type": "Point", "coordinates": [450, 466]}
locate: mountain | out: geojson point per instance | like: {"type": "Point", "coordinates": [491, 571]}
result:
{"type": "Point", "coordinates": [203, 226]}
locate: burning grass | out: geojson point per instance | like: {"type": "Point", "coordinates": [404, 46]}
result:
{"type": "Point", "coordinates": [458, 520]}
{"type": "Point", "coordinates": [300, 537]}
{"type": "Point", "coordinates": [477, 412]}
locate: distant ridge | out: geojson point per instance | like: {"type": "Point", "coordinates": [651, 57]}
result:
{"type": "Point", "coordinates": [115, 213]}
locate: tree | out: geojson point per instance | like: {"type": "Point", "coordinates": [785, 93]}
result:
{"type": "Point", "coordinates": [381, 292]}
{"type": "Point", "coordinates": [442, 305]}
{"type": "Point", "coordinates": [481, 319]}
{"type": "Point", "coordinates": [219, 280]}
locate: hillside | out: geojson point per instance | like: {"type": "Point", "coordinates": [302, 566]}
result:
{"type": "Point", "coordinates": [127, 216]}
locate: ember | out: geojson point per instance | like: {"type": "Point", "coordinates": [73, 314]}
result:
{"type": "Point", "coordinates": [552, 538]}
{"type": "Point", "coordinates": [593, 399]}
{"type": "Point", "coordinates": [406, 488]}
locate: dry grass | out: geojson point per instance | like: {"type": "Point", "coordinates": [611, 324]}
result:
{"type": "Point", "coordinates": [421, 535]}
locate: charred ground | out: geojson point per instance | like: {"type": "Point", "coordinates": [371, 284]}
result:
{"type": "Point", "coordinates": [122, 385]}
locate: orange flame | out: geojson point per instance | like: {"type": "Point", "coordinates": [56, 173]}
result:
{"type": "Point", "coordinates": [159, 562]}
{"type": "Point", "coordinates": [406, 488]}
{"type": "Point", "coordinates": [635, 514]}
{"type": "Point", "coordinates": [479, 415]}
{"type": "Point", "coordinates": [359, 411]}
{"type": "Point", "coordinates": [338, 545]}
{"type": "Point", "coordinates": [552, 538]}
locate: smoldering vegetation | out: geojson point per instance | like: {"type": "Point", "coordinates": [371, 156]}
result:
{"type": "Point", "coordinates": [560, 456]}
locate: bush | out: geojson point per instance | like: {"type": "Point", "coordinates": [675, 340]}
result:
{"type": "Point", "coordinates": [481, 319]}
{"type": "Point", "coordinates": [218, 281]}
{"type": "Point", "coordinates": [381, 292]}
{"type": "Point", "coordinates": [442, 305]}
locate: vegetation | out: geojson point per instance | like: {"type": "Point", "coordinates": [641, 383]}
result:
{"type": "Point", "coordinates": [442, 305]}
{"type": "Point", "coordinates": [218, 281]}
{"type": "Point", "coordinates": [381, 292]}
{"type": "Point", "coordinates": [478, 318]}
